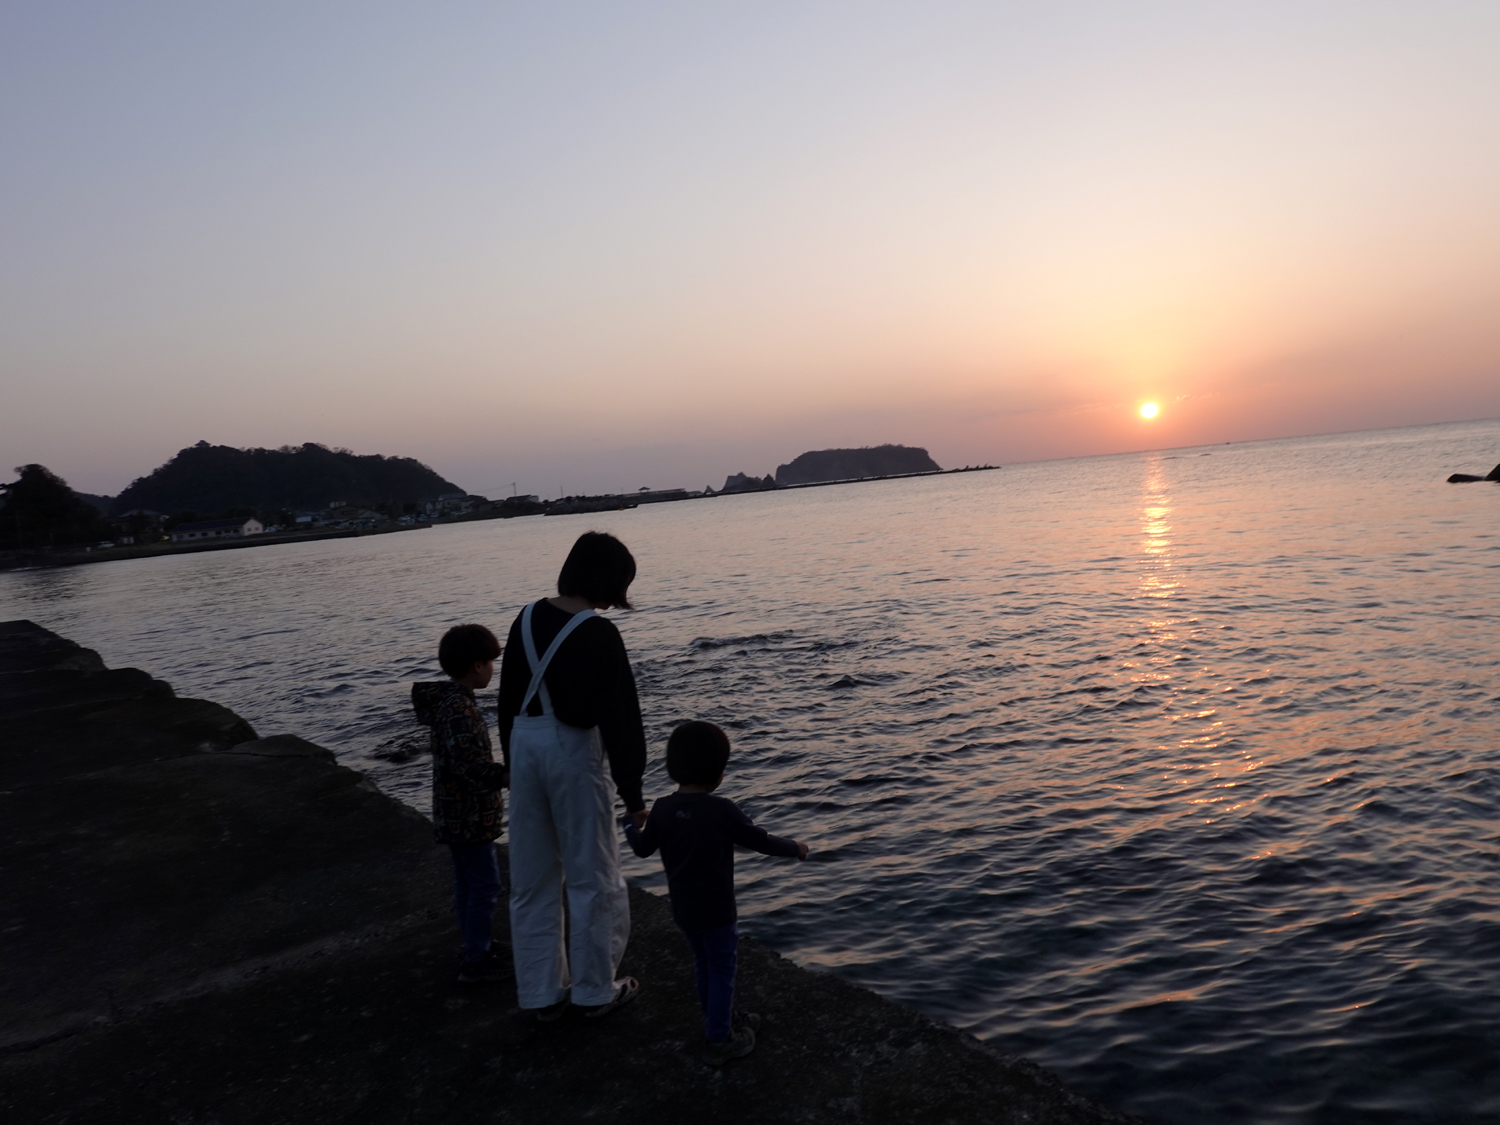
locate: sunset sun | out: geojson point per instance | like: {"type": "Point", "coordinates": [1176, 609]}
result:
{"type": "Point", "coordinates": [1149, 410]}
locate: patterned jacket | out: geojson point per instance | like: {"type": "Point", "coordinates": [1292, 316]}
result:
{"type": "Point", "coordinates": [466, 779]}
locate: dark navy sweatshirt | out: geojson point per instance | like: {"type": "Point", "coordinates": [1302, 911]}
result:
{"type": "Point", "coordinates": [697, 833]}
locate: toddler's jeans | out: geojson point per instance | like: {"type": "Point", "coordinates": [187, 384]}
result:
{"type": "Point", "coordinates": [476, 889]}
{"type": "Point", "coordinates": [715, 961]}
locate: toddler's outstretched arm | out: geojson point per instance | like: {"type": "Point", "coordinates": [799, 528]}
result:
{"type": "Point", "coordinates": [744, 832]}
{"type": "Point", "coordinates": [642, 841]}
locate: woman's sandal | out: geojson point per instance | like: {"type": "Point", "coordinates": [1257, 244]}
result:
{"type": "Point", "coordinates": [626, 990]}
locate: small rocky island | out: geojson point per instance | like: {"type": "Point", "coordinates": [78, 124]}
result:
{"type": "Point", "coordinates": [824, 466]}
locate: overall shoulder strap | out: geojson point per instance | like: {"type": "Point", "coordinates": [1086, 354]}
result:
{"type": "Point", "coordinates": [538, 686]}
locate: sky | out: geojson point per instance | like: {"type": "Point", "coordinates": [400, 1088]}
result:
{"type": "Point", "coordinates": [584, 247]}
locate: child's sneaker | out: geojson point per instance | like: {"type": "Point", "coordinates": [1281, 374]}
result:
{"type": "Point", "coordinates": [487, 968]}
{"type": "Point", "coordinates": [740, 1043]}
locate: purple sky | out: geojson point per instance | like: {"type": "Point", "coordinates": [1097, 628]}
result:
{"type": "Point", "coordinates": [589, 246]}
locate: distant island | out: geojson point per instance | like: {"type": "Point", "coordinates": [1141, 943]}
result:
{"type": "Point", "coordinates": [855, 464]}
{"type": "Point", "coordinates": [821, 466]}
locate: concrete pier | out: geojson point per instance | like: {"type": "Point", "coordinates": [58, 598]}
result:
{"type": "Point", "coordinates": [199, 925]}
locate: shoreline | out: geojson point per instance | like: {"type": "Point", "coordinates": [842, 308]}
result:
{"type": "Point", "coordinates": [45, 560]}
{"type": "Point", "coordinates": [577, 505]}
{"type": "Point", "coordinates": [206, 924]}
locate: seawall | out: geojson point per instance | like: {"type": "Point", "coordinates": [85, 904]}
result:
{"type": "Point", "coordinates": [78, 556]}
{"type": "Point", "coordinates": [201, 925]}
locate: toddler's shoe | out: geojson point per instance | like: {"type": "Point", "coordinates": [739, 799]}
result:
{"type": "Point", "coordinates": [740, 1043]}
{"type": "Point", "coordinates": [487, 968]}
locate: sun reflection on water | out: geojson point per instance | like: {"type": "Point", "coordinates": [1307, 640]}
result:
{"type": "Point", "coordinates": [1157, 577]}
{"type": "Point", "coordinates": [1171, 658]}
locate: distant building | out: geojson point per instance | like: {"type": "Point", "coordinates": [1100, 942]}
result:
{"type": "Point", "coordinates": [350, 516]}
{"type": "Point", "coordinates": [453, 504]}
{"type": "Point", "coordinates": [216, 529]}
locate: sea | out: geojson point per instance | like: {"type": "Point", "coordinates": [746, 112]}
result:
{"type": "Point", "coordinates": [1176, 772]}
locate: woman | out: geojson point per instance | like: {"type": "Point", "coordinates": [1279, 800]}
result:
{"type": "Point", "coordinates": [568, 708]}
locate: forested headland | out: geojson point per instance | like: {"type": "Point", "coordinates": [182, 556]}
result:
{"type": "Point", "coordinates": [39, 512]}
{"type": "Point", "coordinates": [215, 480]}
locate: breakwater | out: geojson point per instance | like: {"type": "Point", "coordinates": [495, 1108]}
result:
{"type": "Point", "coordinates": [205, 925]}
{"type": "Point", "coordinates": [74, 556]}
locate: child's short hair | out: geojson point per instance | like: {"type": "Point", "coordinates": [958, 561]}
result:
{"type": "Point", "coordinates": [464, 646]}
{"type": "Point", "coordinates": [599, 569]}
{"type": "Point", "coordinates": [697, 753]}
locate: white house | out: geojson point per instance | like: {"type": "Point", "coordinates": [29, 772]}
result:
{"type": "Point", "coordinates": [452, 504]}
{"type": "Point", "coordinates": [216, 529]}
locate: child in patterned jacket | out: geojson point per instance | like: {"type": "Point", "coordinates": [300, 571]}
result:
{"type": "Point", "coordinates": [466, 784]}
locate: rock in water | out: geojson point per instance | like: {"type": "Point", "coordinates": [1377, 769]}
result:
{"type": "Point", "coordinates": [1467, 478]}
{"type": "Point", "coordinates": [740, 482]}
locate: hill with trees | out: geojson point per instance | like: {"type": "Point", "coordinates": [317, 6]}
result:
{"type": "Point", "coordinates": [38, 510]}
{"type": "Point", "coordinates": [219, 479]}
{"type": "Point", "coordinates": [853, 464]}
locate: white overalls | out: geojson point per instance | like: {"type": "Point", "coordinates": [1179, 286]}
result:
{"type": "Point", "coordinates": [562, 833]}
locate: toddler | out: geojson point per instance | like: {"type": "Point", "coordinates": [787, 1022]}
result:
{"type": "Point", "coordinates": [466, 784]}
{"type": "Point", "coordinates": [696, 833]}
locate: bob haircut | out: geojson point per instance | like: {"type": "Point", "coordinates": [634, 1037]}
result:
{"type": "Point", "coordinates": [464, 646]}
{"type": "Point", "coordinates": [599, 569]}
{"type": "Point", "coordinates": [697, 753]}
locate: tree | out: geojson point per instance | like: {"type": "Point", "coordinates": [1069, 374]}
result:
{"type": "Point", "coordinates": [40, 510]}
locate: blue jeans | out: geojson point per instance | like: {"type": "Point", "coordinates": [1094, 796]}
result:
{"type": "Point", "coordinates": [715, 962]}
{"type": "Point", "coordinates": [476, 889]}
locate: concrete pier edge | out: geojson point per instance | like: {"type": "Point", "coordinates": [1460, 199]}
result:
{"type": "Point", "coordinates": [201, 925]}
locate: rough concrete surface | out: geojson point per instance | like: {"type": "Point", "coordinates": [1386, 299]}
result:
{"type": "Point", "coordinates": [200, 926]}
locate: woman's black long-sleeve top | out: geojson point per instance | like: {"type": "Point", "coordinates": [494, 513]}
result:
{"type": "Point", "coordinates": [591, 685]}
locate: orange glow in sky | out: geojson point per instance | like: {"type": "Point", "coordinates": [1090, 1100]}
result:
{"type": "Point", "coordinates": [608, 247]}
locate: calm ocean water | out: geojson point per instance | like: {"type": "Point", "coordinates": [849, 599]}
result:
{"type": "Point", "coordinates": [1176, 772]}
